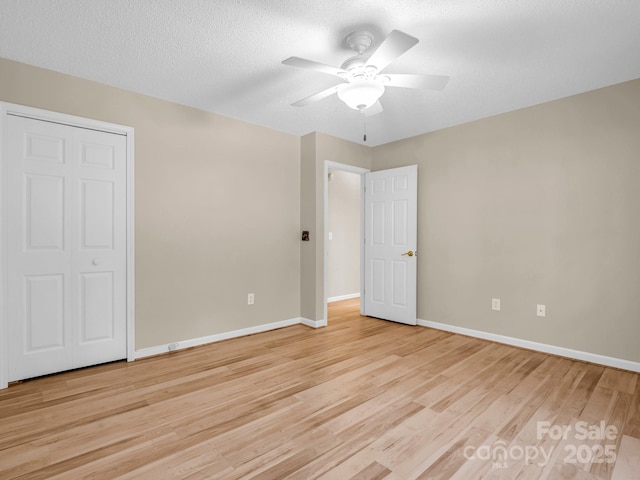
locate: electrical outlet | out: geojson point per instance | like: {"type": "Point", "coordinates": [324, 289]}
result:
{"type": "Point", "coordinates": [541, 310]}
{"type": "Point", "coordinates": [495, 304]}
{"type": "Point", "coordinates": [251, 299]}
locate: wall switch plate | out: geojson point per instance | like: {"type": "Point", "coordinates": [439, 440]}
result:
{"type": "Point", "coordinates": [330, 235]}
{"type": "Point", "coordinates": [495, 304]}
{"type": "Point", "coordinates": [251, 299]}
{"type": "Point", "coordinates": [541, 310]}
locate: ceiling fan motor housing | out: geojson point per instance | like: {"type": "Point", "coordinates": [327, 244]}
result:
{"type": "Point", "coordinates": [352, 64]}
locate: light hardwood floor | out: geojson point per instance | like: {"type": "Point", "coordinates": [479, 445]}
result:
{"type": "Point", "coordinates": [360, 399]}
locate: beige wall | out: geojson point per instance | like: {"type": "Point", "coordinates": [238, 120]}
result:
{"type": "Point", "coordinates": [217, 207]}
{"type": "Point", "coordinates": [534, 206]}
{"type": "Point", "coordinates": [316, 148]}
{"type": "Point", "coordinates": [308, 207]}
{"type": "Point", "coordinates": [343, 264]}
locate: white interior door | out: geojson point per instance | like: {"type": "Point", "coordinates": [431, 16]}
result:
{"type": "Point", "coordinates": [390, 242]}
{"type": "Point", "coordinates": [66, 247]}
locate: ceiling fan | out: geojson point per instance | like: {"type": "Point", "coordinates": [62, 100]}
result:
{"type": "Point", "coordinates": [363, 83]}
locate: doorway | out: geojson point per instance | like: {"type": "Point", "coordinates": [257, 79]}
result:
{"type": "Point", "coordinates": [343, 236]}
{"type": "Point", "coordinates": [343, 227]}
{"type": "Point", "coordinates": [388, 214]}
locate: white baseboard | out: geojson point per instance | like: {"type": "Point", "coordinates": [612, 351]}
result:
{"type": "Point", "coordinates": [343, 297]}
{"type": "Point", "coordinates": [194, 342]}
{"type": "Point", "coordinates": [540, 347]}
{"type": "Point", "coordinates": [313, 323]}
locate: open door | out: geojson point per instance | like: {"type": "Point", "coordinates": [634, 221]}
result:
{"type": "Point", "coordinates": [390, 242]}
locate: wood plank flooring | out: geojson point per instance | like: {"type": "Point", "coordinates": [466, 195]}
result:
{"type": "Point", "coordinates": [360, 399]}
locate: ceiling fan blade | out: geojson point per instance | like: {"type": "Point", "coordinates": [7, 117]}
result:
{"type": "Point", "coordinates": [374, 109]}
{"type": "Point", "coordinates": [391, 48]}
{"type": "Point", "coordinates": [431, 82]}
{"type": "Point", "coordinates": [311, 65]}
{"type": "Point", "coordinates": [316, 96]}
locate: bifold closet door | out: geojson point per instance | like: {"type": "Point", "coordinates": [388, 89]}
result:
{"type": "Point", "coordinates": [66, 247]}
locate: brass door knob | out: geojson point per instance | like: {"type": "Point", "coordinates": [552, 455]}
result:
{"type": "Point", "coordinates": [409, 253]}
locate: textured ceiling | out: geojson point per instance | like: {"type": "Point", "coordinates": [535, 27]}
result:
{"type": "Point", "coordinates": [225, 56]}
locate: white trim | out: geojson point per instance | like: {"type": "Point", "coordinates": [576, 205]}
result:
{"type": "Point", "coordinates": [195, 342]}
{"type": "Point", "coordinates": [325, 183]}
{"type": "Point", "coordinates": [63, 118]}
{"type": "Point", "coordinates": [131, 262]}
{"type": "Point", "coordinates": [343, 297]}
{"type": "Point", "coordinates": [74, 121]}
{"type": "Point", "coordinates": [4, 346]}
{"type": "Point", "coordinates": [313, 323]}
{"type": "Point", "coordinates": [540, 347]}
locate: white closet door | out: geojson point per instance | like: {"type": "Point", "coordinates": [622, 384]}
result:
{"type": "Point", "coordinates": [98, 270]}
{"type": "Point", "coordinates": [66, 246]}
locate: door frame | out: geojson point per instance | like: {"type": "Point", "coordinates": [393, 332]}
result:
{"type": "Point", "coordinates": [325, 265]}
{"type": "Point", "coordinates": [7, 109]}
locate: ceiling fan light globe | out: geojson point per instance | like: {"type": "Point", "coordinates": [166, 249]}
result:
{"type": "Point", "coordinates": [361, 94]}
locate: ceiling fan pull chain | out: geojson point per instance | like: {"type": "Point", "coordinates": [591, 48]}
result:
{"type": "Point", "coordinates": [364, 125]}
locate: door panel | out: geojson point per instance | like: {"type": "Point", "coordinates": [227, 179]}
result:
{"type": "Point", "coordinates": [66, 247]}
{"type": "Point", "coordinates": [96, 310]}
{"type": "Point", "coordinates": [97, 214]}
{"type": "Point", "coordinates": [44, 148]}
{"type": "Point", "coordinates": [399, 222]}
{"type": "Point", "coordinates": [97, 155]}
{"type": "Point", "coordinates": [399, 283]}
{"type": "Point", "coordinates": [44, 212]}
{"type": "Point", "coordinates": [44, 325]}
{"type": "Point", "coordinates": [377, 227]}
{"type": "Point", "coordinates": [377, 289]}
{"type": "Point", "coordinates": [391, 232]}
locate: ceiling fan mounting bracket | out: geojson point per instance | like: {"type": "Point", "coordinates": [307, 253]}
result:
{"type": "Point", "coordinates": [359, 41]}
